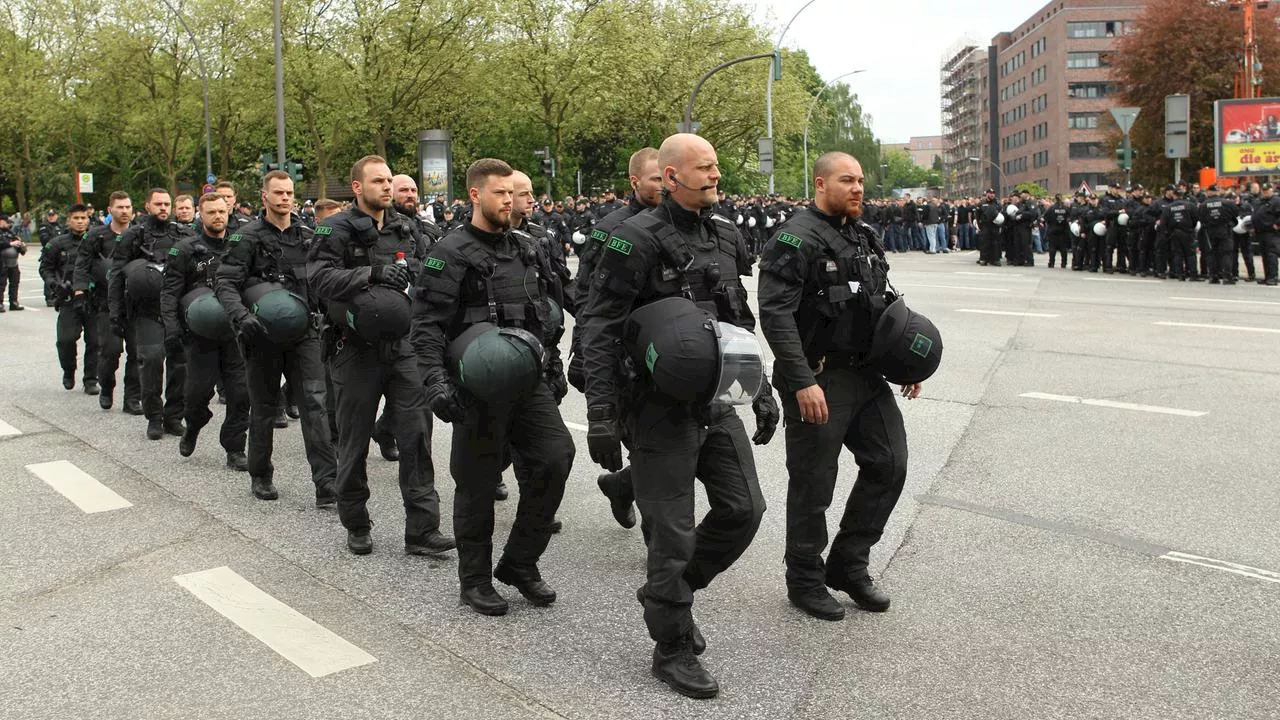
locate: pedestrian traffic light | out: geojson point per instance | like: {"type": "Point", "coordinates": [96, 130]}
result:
{"type": "Point", "coordinates": [295, 170]}
{"type": "Point", "coordinates": [1124, 156]}
{"type": "Point", "coordinates": [548, 166]}
{"type": "Point", "coordinates": [777, 66]}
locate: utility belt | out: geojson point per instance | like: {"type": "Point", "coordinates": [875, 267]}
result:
{"type": "Point", "coordinates": [835, 360]}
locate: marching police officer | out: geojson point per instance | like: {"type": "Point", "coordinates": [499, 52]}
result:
{"type": "Point", "coordinates": [75, 317]}
{"type": "Point", "coordinates": [823, 287]}
{"type": "Point", "coordinates": [274, 249]}
{"type": "Point", "coordinates": [133, 298]}
{"type": "Point", "coordinates": [212, 354]}
{"type": "Point", "coordinates": [359, 254]}
{"type": "Point", "coordinates": [486, 273]}
{"type": "Point", "coordinates": [646, 188]}
{"type": "Point", "coordinates": [89, 286]}
{"type": "Point", "coordinates": [678, 249]}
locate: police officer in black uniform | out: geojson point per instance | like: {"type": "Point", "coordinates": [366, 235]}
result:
{"type": "Point", "coordinates": [1056, 221]}
{"type": "Point", "coordinates": [823, 286]}
{"type": "Point", "coordinates": [11, 246]}
{"type": "Point", "coordinates": [89, 286]}
{"type": "Point", "coordinates": [988, 230]}
{"type": "Point", "coordinates": [1179, 221]}
{"type": "Point", "coordinates": [646, 194]}
{"type": "Point", "coordinates": [357, 250]}
{"type": "Point", "coordinates": [163, 366]}
{"type": "Point", "coordinates": [676, 249]}
{"type": "Point", "coordinates": [75, 317]}
{"type": "Point", "coordinates": [274, 249]}
{"type": "Point", "coordinates": [193, 264]}
{"type": "Point", "coordinates": [1266, 225]}
{"type": "Point", "coordinates": [485, 273]}
{"type": "Point", "coordinates": [1217, 216]}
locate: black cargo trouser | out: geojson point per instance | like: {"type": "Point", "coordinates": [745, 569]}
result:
{"type": "Point", "coordinates": [74, 320]}
{"type": "Point", "coordinates": [1246, 254]}
{"type": "Point", "coordinates": [1059, 243]}
{"type": "Point", "coordinates": [863, 416]}
{"type": "Point", "coordinates": [531, 427]}
{"type": "Point", "coordinates": [163, 372]}
{"type": "Point", "coordinates": [1182, 253]}
{"type": "Point", "coordinates": [1113, 253]}
{"type": "Point", "coordinates": [671, 447]}
{"type": "Point", "coordinates": [211, 363]}
{"type": "Point", "coordinates": [1133, 247]}
{"type": "Point", "coordinates": [301, 364]}
{"type": "Point", "coordinates": [1269, 244]}
{"type": "Point", "coordinates": [9, 276]}
{"type": "Point", "coordinates": [112, 347]}
{"type": "Point", "coordinates": [361, 375]}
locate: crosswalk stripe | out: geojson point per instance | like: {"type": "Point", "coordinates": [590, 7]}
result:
{"type": "Point", "coordinates": [78, 486]}
{"type": "Point", "coordinates": [7, 430]}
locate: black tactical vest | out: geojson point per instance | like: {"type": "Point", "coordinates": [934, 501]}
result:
{"type": "Point", "coordinates": [285, 257]}
{"type": "Point", "coordinates": [505, 285]}
{"type": "Point", "coordinates": [705, 271]}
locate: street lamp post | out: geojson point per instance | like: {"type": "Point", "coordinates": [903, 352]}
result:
{"type": "Point", "coordinates": [204, 82]}
{"type": "Point", "coordinates": [687, 125]}
{"type": "Point", "coordinates": [768, 86]}
{"type": "Point", "coordinates": [1003, 182]}
{"type": "Point", "coordinates": [808, 117]}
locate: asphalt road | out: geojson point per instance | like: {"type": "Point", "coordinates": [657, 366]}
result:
{"type": "Point", "coordinates": [1091, 529]}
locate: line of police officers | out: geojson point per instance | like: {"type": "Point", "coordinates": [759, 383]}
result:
{"type": "Point", "coordinates": [466, 327]}
{"type": "Point", "coordinates": [1187, 234]}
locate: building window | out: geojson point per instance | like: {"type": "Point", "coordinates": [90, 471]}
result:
{"type": "Point", "coordinates": [1082, 121]}
{"type": "Point", "coordinates": [1080, 60]}
{"type": "Point", "coordinates": [1086, 150]}
{"type": "Point", "coordinates": [1090, 90]}
{"type": "Point", "coordinates": [1039, 75]}
{"type": "Point", "coordinates": [1096, 29]}
{"type": "Point", "coordinates": [1039, 104]}
{"type": "Point", "coordinates": [1040, 159]}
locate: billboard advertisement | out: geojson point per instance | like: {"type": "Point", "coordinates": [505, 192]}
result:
{"type": "Point", "coordinates": [1247, 136]}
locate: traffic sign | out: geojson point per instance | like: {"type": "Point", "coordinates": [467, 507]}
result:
{"type": "Point", "coordinates": [86, 183]}
{"type": "Point", "coordinates": [1124, 117]}
{"type": "Point", "coordinates": [766, 156]}
{"type": "Point", "coordinates": [211, 179]}
{"type": "Point", "coordinates": [1084, 188]}
{"type": "Point", "coordinates": [1177, 126]}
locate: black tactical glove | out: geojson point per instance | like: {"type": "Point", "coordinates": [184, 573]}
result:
{"type": "Point", "coordinates": [394, 276]}
{"type": "Point", "coordinates": [252, 330]}
{"type": "Point", "coordinates": [118, 325]}
{"type": "Point", "coordinates": [767, 415]}
{"type": "Point", "coordinates": [577, 373]}
{"type": "Point", "coordinates": [558, 384]}
{"type": "Point", "coordinates": [444, 401]}
{"type": "Point", "coordinates": [603, 440]}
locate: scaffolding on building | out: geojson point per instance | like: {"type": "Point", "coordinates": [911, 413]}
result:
{"type": "Point", "coordinates": [963, 71]}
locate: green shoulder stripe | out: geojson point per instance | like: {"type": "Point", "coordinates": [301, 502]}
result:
{"type": "Point", "coordinates": [435, 264]}
{"type": "Point", "coordinates": [234, 238]}
{"type": "Point", "coordinates": [173, 251]}
{"type": "Point", "coordinates": [789, 239]}
{"type": "Point", "coordinates": [324, 229]}
{"type": "Point", "coordinates": [599, 235]}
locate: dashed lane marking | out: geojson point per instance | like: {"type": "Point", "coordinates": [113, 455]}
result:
{"type": "Point", "coordinates": [1238, 328]}
{"type": "Point", "coordinates": [7, 430]}
{"type": "Point", "coordinates": [958, 287]}
{"type": "Point", "coordinates": [1224, 300]}
{"type": "Point", "coordinates": [1123, 280]}
{"type": "Point", "coordinates": [993, 276]}
{"type": "Point", "coordinates": [1007, 312]}
{"type": "Point", "coordinates": [1223, 565]}
{"type": "Point", "coordinates": [78, 486]}
{"type": "Point", "coordinates": [1114, 404]}
{"type": "Point", "coordinates": [297, 638]}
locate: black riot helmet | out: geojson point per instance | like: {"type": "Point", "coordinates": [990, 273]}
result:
{"type": "Point", "coordinates": [378, 313]}
{"type": "Point", "coordinates": [685, 354]}
{"type": "Point", "coordinates": [284, 314]}
{"type": "Point", "coordinates": [205, 316]}
{"type": "Point", "coordinates": [143, 281]}
{"type": "Point", "coordinates": [495, 363]}
{"type": "Point", "coordinates": [906, 346]}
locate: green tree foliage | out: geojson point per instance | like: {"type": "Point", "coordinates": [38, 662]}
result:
{"type": "Point", "coordinates": [113, 87]}
{"type": "Point", "coordinates": [900, 171]}
{"type": "Point", "coordinates": [1207, 37]}
{"type": "Point", "coordinates": [1033, 188]}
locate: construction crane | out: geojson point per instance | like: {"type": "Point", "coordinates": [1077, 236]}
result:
{"type": "Point", "coordinates": [1248, 82]}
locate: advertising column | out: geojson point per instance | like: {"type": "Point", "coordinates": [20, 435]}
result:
{"type": "Point", "coordinates": [435, 164]}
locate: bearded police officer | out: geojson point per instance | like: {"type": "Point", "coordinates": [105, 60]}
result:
{"type": "Point", "coordinates": [272, 253]}
{"type": "Point", "coordinates": [89, 286]}
{"type": "Point", "coordinates": [646, 194]}
{"type": "Point", "coordinates": [678, 249]}
{"type": "Point", "coordinates": [133, 296]}
{"type": "Point", "coordinates": [75, 316]}
{"type": "Point", "coordinates": [823, 289]}
{"type": "Point", "coordinates": [359, 269]}
{"type": "Point", "coordinates": [485, 284]}
{"type": "Point", "coordinates": [194, 319]}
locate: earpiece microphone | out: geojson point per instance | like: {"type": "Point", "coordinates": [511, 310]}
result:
{"type": "Point", "coordinates": [686, 187]}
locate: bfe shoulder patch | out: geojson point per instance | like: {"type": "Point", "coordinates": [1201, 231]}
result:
{"type": "Point", "coordinates": [789, 239]}
{"type": "Point", "coordinates": [324, 230]}
{"type": "Point", "coordinates": [434, 264]}
{"type": "Point", "coordinates": [234, 238]}
{"type": "Point", "coordinates": [619, 245]}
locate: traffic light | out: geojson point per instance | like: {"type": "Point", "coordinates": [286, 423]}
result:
{"type": "Point", "coordinates": [1124, 156]}
{"type": "Point", "coordinates": [548, 166]}
{"type": "Point", "coordinates": [777, 65]}
{"type": "Point", "coordinates": [295, 170]}
{"type": "Point", "coordinates": [266, 164]}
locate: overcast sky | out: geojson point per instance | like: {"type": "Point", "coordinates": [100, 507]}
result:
{"type": "Point", "coordinates": [901, 52]}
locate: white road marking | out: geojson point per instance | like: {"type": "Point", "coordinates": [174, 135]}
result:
{"type": "Point", "coordinates": [294, 636]}
{"type": "Point", "coordinates": [576, 426]}
{"type": "Point", "coordinates": [988, 274]}
{"type": "Point", "coordinates": [7, 430]}
{"type": "Point", "coordinates": [1124, 280]}
{"type": "Point", "coordinates": [958, 287]}
{"type": "Point", "coordinates": [1223, 300]}
{"type": "Point", "coordinates": [1115, 404]}
{"type": "Point", "coordinates": [1241, 328]}
{"type": "Point", "coordinates": [1223, 565]}
{"type": "Point", "coordinates": [1006, 312]}
{"type": "Point", "coordinates": [78, 486]}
